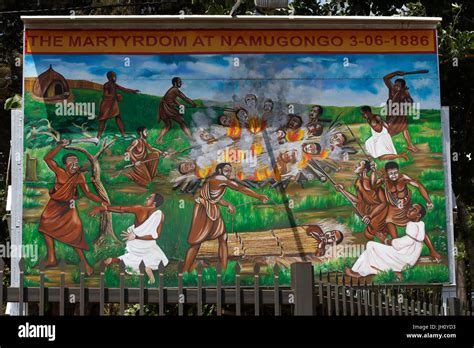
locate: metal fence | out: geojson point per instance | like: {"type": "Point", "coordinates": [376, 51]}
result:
{"type": "Point", "coordinates": [330, 294]}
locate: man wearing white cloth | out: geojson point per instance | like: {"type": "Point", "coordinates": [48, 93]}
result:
{"type": "Point", "coordinates": [380, 144]}
{"type": "Point", "coordinates": [398, 253]}
{"type": "Point", "coordinates": [140, 238]}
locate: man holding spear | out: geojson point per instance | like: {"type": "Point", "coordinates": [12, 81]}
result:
{"type": "Point", "coordinates": [144, 159]}
{"type": "Point", "coordinates": [369, 200]}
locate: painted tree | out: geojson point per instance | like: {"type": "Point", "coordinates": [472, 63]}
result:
{"type": "Point", "coordinates": [106, 231]}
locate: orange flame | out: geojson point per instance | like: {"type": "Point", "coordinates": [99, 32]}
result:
{"type": "Point", "coordinates": [234, 131]}
{"type": "Point", "coordinates": [324, 154]}
{"type": "Point", "coordinates": [294, 135]}
{"type": "Point", "coordinates": [256, 148]}
{"type": "Point", "coordinates": [263, 173]}
{"type": "Point", "coordinates": [240, 175]}
{"type": "Point", "coordinates": [203, 172]}
{"type": "Point", "coordinates": [256, 125]}
{"type": "Point", "coordinates": [306, 157]}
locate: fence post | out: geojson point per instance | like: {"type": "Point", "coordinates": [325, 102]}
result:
{"type": "Point", "coordinates": [454, 306]}
{"type": "Point", "coordinates": [302, 280]}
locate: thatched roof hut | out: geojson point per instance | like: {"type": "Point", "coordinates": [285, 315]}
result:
{"type": "Point", "coordinates": [51, 87]}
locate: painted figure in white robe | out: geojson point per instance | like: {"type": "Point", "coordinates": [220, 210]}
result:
{"type": "Point", "coordinates": [140, 238]}
{"type": "Point", "coordinates": [397, 253]}
{"type": "Point", "coordinates": [380, 144]}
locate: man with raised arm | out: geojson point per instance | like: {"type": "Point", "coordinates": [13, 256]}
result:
{"type": "Point", "coordinates": [398, 99]}
{"type": "Point", "coordinates": [207, 222]}
{"type": "Point", "coordinates": [109, 107]}
{"type": "Point", "coordinates": [398, 197]}
{"type": "Point", "coordinates": [369, 200]}
{"type": "Point", "coordinates": [168, 109]}
{"type": "Point", "coordinates": [140, 238]}
{"type": "Point", "coordinates": [60, 220]}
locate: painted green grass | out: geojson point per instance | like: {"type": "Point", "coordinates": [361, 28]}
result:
{"type": "Point", "coordinates": [209, 277]}
{"type": "Point", "coordinates": [32, 192]}
{"type": "Point", "coordinates": [432, 179]}
{"type": "Point", "coordinates": [29, 202]}
{"type": "Point", "coordinates": [334, 265]}
{"type": "Point", "coordinates": [353, 222]}
{"type": "Point", "coordinates": [416, 274]}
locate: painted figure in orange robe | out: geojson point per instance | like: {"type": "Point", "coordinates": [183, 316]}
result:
{"type": "Point", "coordinates": [60, 220]}
{"type": "Point", "coordinates": [144, 158]}
{"type": "Point", "coordinates": [109, 107]}
{"type": "Point", "coordinates": [168, 109]}
{"type": "Point", "coordinates": [207, 222]}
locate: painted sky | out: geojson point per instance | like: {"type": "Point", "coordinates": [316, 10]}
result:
{"type": "Point", "coordinates": [291, 78]}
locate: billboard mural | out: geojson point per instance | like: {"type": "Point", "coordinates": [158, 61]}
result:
{"type": "Point", "coordinates": [234, 146]}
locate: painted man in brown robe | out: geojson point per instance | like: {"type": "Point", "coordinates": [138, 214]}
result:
{"type": "Point", "coordinates": [207, 222]}
{"type": "Point", "coordinates": [398, 95]}
{"type": "Point", "coordinates": [369, 200]}
{"type": "Point", "coordinates": [144, 158]}
{"type": "Point", "coordinates": [168, 110]}
{"type": "Point", "coordinates": [398, 197]}
{"type": "Point", "coordinates": [60, 220]}
{"type": "Point", "coordinates": [109, 107]}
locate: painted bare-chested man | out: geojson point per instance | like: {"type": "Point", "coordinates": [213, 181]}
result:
{"type": "Point", "coordinates": [398, 197]}
{"type": "Point", "coordinates": [60, 220]}
{"type": "Point", "coordinates": [316, 123]}
{"type": "Point", "coordinates": [398, 95]}
{"type": "Point", "coordinates": [144, 158]}
{"type": "Point", "coordinates": [369, 200]}
{"type": "Point", "coordinates": [168, 109]}
{"type": "Point", "coordinates": [207, 222]}
{"type": "Point", "coordinates": [109, 107]}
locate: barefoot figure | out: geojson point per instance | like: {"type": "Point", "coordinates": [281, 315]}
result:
{"type": "Point", "coordinates": [399, 97]}
{"type": "Point", "coordinates": [109, 107]}
{"type": "Point", "coordinates": [398, 197]}
{"type": "Point", "coordinates": [60, 220]}
{"type": "Point", "coordinates": [140, 238]}
{"type": "Point", "coordinates": [397, 253]}
{"type": "Point", "coordinates": [168, 109]}
{"type": "Point", "coordinates": [207, 222]}
{"type": "Point", "coordinates": [144, 158]}
{"type": "Point", "coordinates": [369, 199]}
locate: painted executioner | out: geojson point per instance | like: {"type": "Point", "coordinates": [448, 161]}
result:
{"type": "Point", "coordinates": [168, 109]}
{"type": "Point", "coordinates": [144, 158]}
{"type": "Point", "coordinates": [398, 96]}
{"type": "Point", "coordinates": [398, 253]}
{"type": "Point", "coordinates": [398, 197]}
{"type": "Point", "coordinates": [60, 220]}
{"type": "Point", "coordinates": [109, 107]}
{"type": "Point", "coordinates": [369, 200]}
{"type": "Point", "coordinates": [207, 222]}
{"type": "Point", "coordinates": [140, 238]}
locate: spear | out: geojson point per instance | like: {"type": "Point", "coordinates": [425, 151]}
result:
{"type": "Point", "coordinates": [320, 169]}
{"type": "Point", "coordinates": [210, 141]}
{"type": "Point", "coordinates": [357, 140]}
